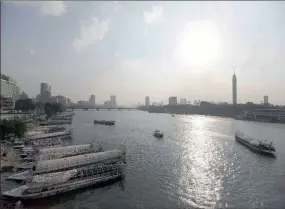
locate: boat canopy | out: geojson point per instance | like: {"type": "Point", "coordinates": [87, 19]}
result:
{"type": "Point", "coordinates": [59, 152]}
{"type": "Point", "coordinates": [63, 149]}
{"type": "Point", "coordinates": [79, 160]}
{"type": "Point", "coordinates": [49, 135]}
{"type": "Point", "coordinates": [53, 178]}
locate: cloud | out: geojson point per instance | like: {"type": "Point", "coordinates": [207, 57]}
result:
{"type": "Point", "coordinates": [53, 8]}
{"type": "Point", "coordinates": [91, 33]}
{"type": "Point", "coordinates": [30, 50]}
{"type": "Point", "coordinates": [154, 15]}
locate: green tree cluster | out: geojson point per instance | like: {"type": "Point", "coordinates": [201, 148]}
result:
{"type": "Point", "coordinates": [25, 104]}
{"type": "Point", "coordinates": [53, 108]}
{"type": "Point", "coordinates": [10, 128]}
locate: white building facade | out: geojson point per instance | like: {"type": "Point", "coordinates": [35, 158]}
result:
{"type": "Point", "coordinates": [10, 92]}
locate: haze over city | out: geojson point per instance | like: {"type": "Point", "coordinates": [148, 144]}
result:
{"type": "Point", "coordinates": [138, 49]}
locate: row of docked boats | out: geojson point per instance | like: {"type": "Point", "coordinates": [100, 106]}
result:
{"type": "Point", "coordinates": [255, 145]}
{"type": "Point", "coordinates": [50, 177]}
{"type": "Point", "coordinates": [63, 118]}
{"type": "Point", "coordinates": [57, 169]}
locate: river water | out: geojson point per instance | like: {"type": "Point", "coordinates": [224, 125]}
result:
{"type": "Point", "coordinates": [197, 164]}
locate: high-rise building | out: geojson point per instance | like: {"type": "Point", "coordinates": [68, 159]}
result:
{"type": "Point", "coordinates": [45, 92]}
{"type": "Point", "coordinates": [183, 101]}
{"type": "Point", "coordinates": [68, 103]}
{"type": "Point", "coordinates": [265, 100]}
{"type": "Point", "coordinates": [147, 102]}
{"type": "Point", "coordinates": [113, 101]}
{"type": "Point", "coordinates": [234, 82]}
{"type": "Point", "coordinates": [172, 101]}
{"type": "Point", "coordinates": [10, 92]}
{"type": "Point", "coordinates": [92, 99]}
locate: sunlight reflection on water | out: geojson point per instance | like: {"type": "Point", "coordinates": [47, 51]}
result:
{"type": "Point", "coordinates": [200, 182]}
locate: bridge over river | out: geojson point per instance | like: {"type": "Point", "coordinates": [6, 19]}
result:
{"type": "Point", "coordinates": [107, 108]}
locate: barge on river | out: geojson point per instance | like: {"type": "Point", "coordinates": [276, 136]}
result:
{"type": "Point", "coordinates": [45, 185]}
{"type": "Point", "coordinates": [255, 145]}
{"type": "Point", "coordinates": [105, 122]}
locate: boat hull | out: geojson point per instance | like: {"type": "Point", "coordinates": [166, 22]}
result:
{"type": "Point", "coordinates": [253, 147]}
{"type": "Point", "coordinates": [65, 188]}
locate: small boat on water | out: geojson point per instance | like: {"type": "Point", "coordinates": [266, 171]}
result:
{"type": "Point", "coordinates": [40, 186]}
{"type": "Point", "coordinates": [158, 134]}
{"type": "Point", "coordinates": [105, 122]}
{"type": "Point", "coordinates": [255, 145]}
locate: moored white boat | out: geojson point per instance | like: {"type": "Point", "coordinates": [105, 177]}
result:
{"type": "Point", "coordinates": [61, 152]}
{"type": "Point", "coordinates": [54, 122]}
{"type": "Point", "coordinates": [62, 134]}
{"type": "Point", "coordinates": [62, 164]}
{"type": "Point", "coordinates": [51, 184]}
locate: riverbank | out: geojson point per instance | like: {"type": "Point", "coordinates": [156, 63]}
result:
{"type": "Point", "coordinates": [222, 111]}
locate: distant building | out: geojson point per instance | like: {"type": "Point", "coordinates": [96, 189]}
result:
{"type": "Point", "coordinates": [34, 100]}
{"type": "Point", "coordinates": [53, 99]}
{"type": "Point", "coordinates": [10, 92]}
{"type": "Point", "coordinates": [38, 97]}
{"type": "Point", "coordinates": [62, 100]}
{"type": "Point", "coordinates": [265, 100]}
{"type": "Point", "coordinates": [156, 104]}
{"type": "Point", "coordinates": [107, 104]}
{"type": "Point", "coordinates": [92, 99]}
{"type": "Point", "coordinates": [172, 101]}
{"type": "Point", "coordinates": [113, 101]}
{"type": "Point", "coordinates": [45, 92]}
{"type": "Point", "coordinates": [68, 103]}
{"type": "Point", "coordinates": [147, 102]}
{"type": "Point", "coordinates": [183, 101]}
{"type": "Point", "coordinates": [234, 82]}
{"type": "Point", "coordinates": [24, 96]}
{"type": "Point", "coordinates": [82, 102]}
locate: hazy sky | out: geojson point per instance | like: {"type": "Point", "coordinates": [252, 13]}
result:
{"type": "Point", "coordinates": [138, 49]}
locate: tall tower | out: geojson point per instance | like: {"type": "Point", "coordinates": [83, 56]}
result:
{"type": "Point", "coordinates": [147, 102]}
{"type": "Point", "coordinates": [234, 82]}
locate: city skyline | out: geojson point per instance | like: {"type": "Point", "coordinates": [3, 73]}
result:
{"type": "Point", "coordinates": [91, 50]}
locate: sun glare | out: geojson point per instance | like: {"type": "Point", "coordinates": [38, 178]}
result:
{"type": "Point", "coordinates": [198, 44]}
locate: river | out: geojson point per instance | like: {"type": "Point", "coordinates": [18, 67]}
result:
{"type": "Point", "coordinates": [197, 164]}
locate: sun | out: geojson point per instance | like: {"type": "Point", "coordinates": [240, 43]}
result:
{"type": "Point", "coordinates": [198, 44]}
